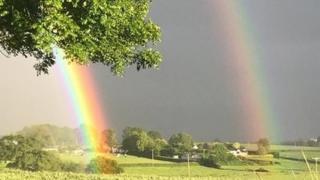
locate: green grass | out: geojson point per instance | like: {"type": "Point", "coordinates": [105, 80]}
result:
{"type": "Point", "coordinates": [138, 168]}
{"type": "Point", "coordinates": [8, 174]}
{"type": "Point", "coordinates": [122, 160]}
{"type": "Point", "coordinates": [293, 148]}
{"type": "Point", "coordinates": [2, 165]}
{"type": "Point", "coordinates": [298, 154]}
{"type": "Point", "coordinates": [137, 165]}
{"type": "Point", "coordinates": [137, 160]}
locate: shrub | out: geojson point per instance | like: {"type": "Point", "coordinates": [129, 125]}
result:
{"type": "Point", "coordinates": [222, 155]}
{"type": "Point", "coordinates": [103, 165]}
{"type": "Point", "coordinates": [72, 167]}
{"type": "Point", "coordinates": [219, 156]}
{"type": "Point", "coordinates": [276, 154]}
{"type": "Point", "coordinates": [263, 146]}
{"type": "Point", "coordinates": [210, 161]}
{"type": "Point", "coordinates": [36, 160]}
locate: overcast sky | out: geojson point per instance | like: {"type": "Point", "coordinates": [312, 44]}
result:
{"type": "Point", "coordinates": [192, 90]}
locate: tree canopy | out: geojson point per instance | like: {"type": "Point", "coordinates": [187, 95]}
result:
{"type": "Point", "coordinates": [26, 153]}
{"type": "Point", "coordinates": [141, 142]}
{"type": "Point", "coordinates": [12, 146]}
{"type": "Point", "coordinates": [110, 137]}
{"type": "Point", "coordinates": [115, 33]}
{"type": "Point", "coordinates": [263, 146]}
{"type": "Point", "coordinates": [51, 136]}
{"type": "Point", "coordinates": [181, 142]}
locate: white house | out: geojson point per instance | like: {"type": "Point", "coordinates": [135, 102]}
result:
{"type": "Point", "coordinates": [238, 152]}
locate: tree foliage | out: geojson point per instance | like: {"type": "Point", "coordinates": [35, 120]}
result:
{"type": "Point", "coordinates": [110, 137]}
{"type": "Point", "coordinates": [154, 135]}
{"type": "Point", "coordinates": [36, 160]}
{"type": "Point", "coordinates": [263, 146]}
{"type": "Point", "coordinates": [136, 140]}
{"type": "Point", "coordinates": [50, 135]}
{"type": "Point", "coordinates": [103, 165]}
{"type": "Point", "coordinates": [181, 143]}
{"type": "Point", "coordinates": [116, 33]}
{"type": "Point", "coordinates": [217, 156]}
{"type": "Point", "coordinates": [140, 142]}
{"type": "Point", "coordinates": [26, 153]}
{"type": "Point", "coordinates": [12, 147]}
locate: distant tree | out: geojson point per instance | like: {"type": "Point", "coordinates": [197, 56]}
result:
{"type": "Point", "coordinates": [181, 143]}
{"type": "Point", "coordinates": [36, 160]}
{"type": "Point", "coordinates": [206, 146]}
{"type": "Point", "coordinates": [154, 135]}
{"type": "Point", "coordinates": [136, 140]}
{"type": "Point", "coordinates": [110, 137]}
{"type": "Point", "coordinates": [50, 135]}
{"type": "Point", "coordinates": [222, 154]}
{"type": "Point", "coordinates": [157, 143]}
{"type": "Point", "coordinates": [26, 153]}
{"type": "Point", "coordinates": [103, 165]}
{"type": "Point", "coordinates": [209, 161]}
{"type": "Point", "coordinates": [263, 146]}
{"type": "Point", "coordinates": [14, 146]}
{"type": "Point", "coordinates": [115, 33]}
{"type": "Point", "coordinates": [129, 131]}
{"type": "Point", "coordinates": [312, 143]}
{"type": "Point", "coordinates": [219, 155]}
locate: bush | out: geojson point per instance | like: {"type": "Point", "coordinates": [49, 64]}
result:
{"type": "Point", "coordinates": [219, 156]}
{"type": "Point", "coordinates": [263, 146]}
{"type": "Point", "coordinates": [72, 167]}
{"type": "Point", "coordinates": [103, 165]}
{"type": "Point", "coordinates": [222, 156]}
{"type": "Point", "coordinates": [36, 160]}
{"type": "Point", "coordinates": [276, 154]}
{"type": "Point", "coordinates": [210, 161]}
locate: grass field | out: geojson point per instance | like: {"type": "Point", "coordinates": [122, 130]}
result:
{"type": "Point", "coordinates": [275, 147]}
{"type": "Point", "coordinates": [21, 175]}
{"type": "Point", "coordinates": [298, 154]}
{"type": "Point", "coordinates": [293, 148]}
{"type": "Point", "coordinates": [137, 168]}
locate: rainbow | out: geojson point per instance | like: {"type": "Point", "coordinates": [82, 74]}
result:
{"type": "Point", "coordinates": [244, 57]}
{"type": "Point", "coordinates": [80, 87]}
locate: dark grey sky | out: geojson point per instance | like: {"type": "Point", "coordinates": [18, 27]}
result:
{"type": "Point", "coordinates": [192, 91]}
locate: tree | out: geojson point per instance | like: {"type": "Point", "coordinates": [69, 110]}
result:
{"type": "Point", "coordinates": [137, 143]}
{"type": "Point", "coordinates": [50, 135]}
{"type": "Point", "coordinates": [114, 33]}
{"type": "Point", "coordinates": [12, 146]}
{"type": "Point", "coordinates": [36, 160]}
{"type": "Point", "coordinates": [110, 137]}
{"type": "Point", "coordinates": [218, 156]}
{"type": "Point", "coordinates": [154, 135]}
{"type": "Point", "coordinates": [263, 146]}
{"type": "Point", "coordinates": [129, 131]}
{"type": "Point", "coordinates": [26, 154]}
{"type": "Point", "coordinates": [157, 142]}
{"type": "Point", "coordinates": [181, 143]}
{"type": "Point", "coordinates": [103, 165]}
